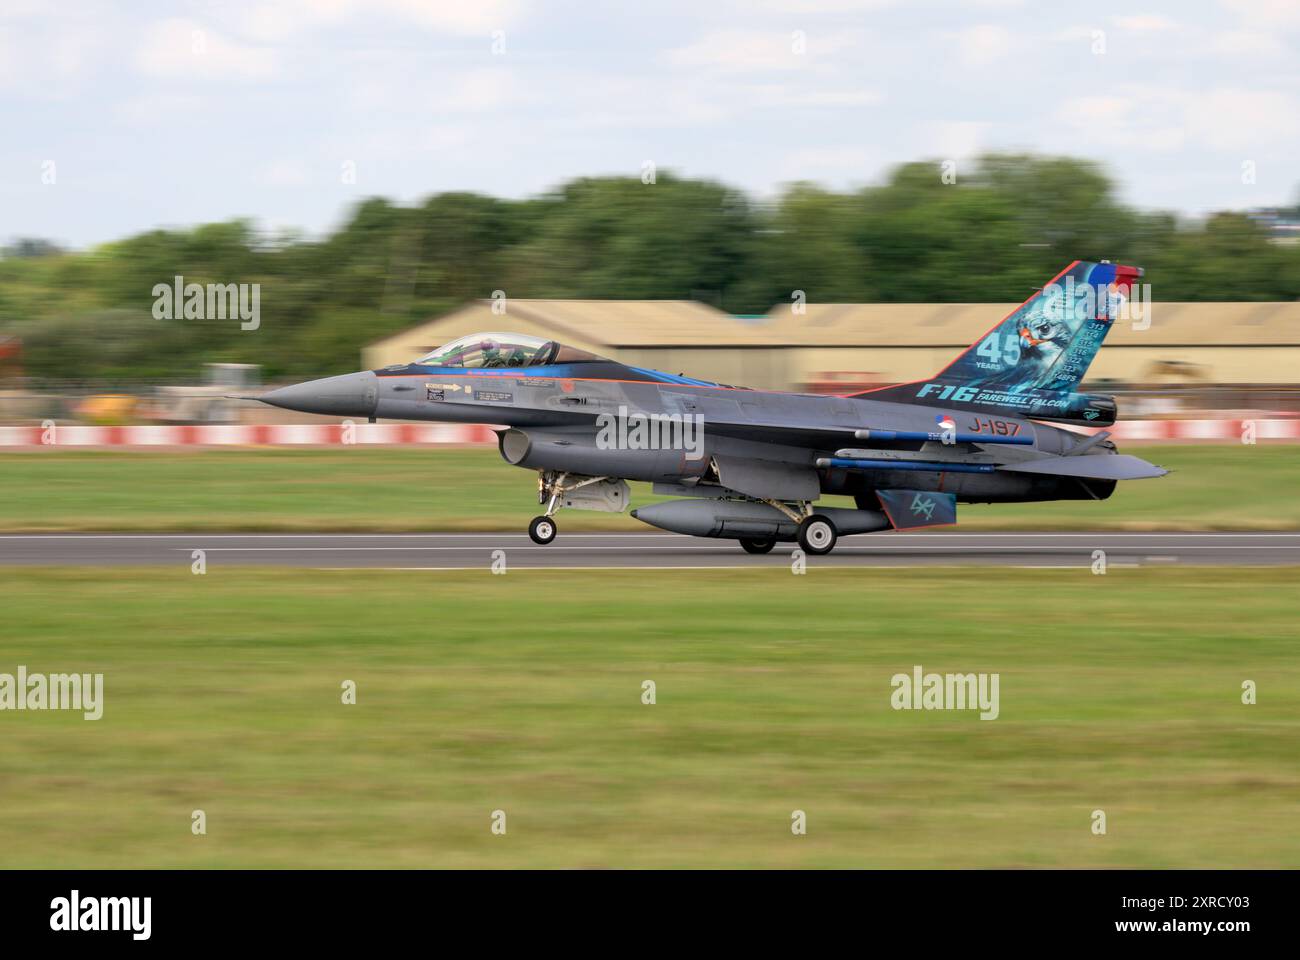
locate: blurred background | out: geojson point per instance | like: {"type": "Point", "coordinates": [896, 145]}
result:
{"type": "Point", "coordinates": [663, 186]}
{"type": "Point", "coordinates": [816, 290]}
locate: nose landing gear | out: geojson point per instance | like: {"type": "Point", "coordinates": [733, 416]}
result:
{"type": "Point", "coordinates": [542, 530]}
{"type": "Point", "coordinates": [557, 490]}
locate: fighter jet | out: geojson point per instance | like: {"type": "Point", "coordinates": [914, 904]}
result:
{"type": "Point", "coordinates": [755, 465]}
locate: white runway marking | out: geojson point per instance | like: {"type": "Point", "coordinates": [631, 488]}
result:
{"type": "Point", "coordinates": [884, 535]}
{"type": "Point", "coordinates": [552, 548]}
{"type": "Point", "coordinates": [597, 551]}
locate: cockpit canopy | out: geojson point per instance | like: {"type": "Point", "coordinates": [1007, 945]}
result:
{"type": "Point", "coordinates": [503, 350]}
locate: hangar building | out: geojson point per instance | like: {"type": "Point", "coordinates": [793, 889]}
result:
{"type": "Point", "coordinates": [675, 336]}
{"type": "Point", "coordinates": [840, 347]}
{"type": "Point", "coordinates": [872, 343]}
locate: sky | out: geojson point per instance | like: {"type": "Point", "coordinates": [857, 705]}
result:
{"type": "Point", "coordinates": [118, 118]}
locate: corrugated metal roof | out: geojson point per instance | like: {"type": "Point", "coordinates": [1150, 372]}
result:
{"type": "Point", "coordinates": [960, 324]}
{"type": "Point", "coordinates": [685, 323]}
{"type": "Point", "coordinates": [611, 323]}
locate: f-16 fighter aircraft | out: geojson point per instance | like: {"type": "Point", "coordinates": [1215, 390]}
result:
{"type": "Point", "coordinates": [753, 465]}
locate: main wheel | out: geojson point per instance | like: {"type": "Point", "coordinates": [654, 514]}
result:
{"type": "Point", "coordinates": [542, 530]}
{"type": "Point", "coordinates": [817, 535]}
{"type": "Point", "coordinates": [757, 546]}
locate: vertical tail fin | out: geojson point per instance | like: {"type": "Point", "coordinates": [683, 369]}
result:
{"type": "Point", "coordinates": [1049, 341]}
{"type": "Point", "coordinates": [1033, 361]}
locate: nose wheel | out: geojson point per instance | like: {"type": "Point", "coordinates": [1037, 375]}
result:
{"type": "Point", "coordinates": [542, 530]}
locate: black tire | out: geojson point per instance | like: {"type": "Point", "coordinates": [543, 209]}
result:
{"type": "Point", "coordinates": [542, 530]}
{"type": "Point", "coordinates": [757, 546]}
{"type": "Point", "coordinates": [817, 535]}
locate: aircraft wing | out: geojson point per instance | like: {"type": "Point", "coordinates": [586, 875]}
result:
{"type": "Point", "coordinates": [787, 427]}
{"type": "Point", "coordinates": [825, 437]}
{"type": "Point", "coordinates": [796, 435]}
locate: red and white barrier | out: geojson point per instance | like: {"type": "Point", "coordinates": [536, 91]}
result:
{"type": "Point", "coordinates": [262, 434]}
{"type": "Point", "coordinates": [1221, 431]}
{"type": "Point", "coordinates": [395, 434]}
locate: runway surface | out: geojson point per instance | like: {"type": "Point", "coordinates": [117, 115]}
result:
{"type": "Point", "coordinates": [603, 551]}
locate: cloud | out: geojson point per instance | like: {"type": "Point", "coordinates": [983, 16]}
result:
{"type": "Point", "coordinates": [1144, 23]}
{"type": "Point", "coordinates": [984, 44]}
{"type": "Point", "coordinates": [1148, 121]}
{"type": "Point", "coordinates": [48, 61]}
{"type": "Point", "coordinates": [153, 108]}
{"type": "Point", "coordinates": [778, 95]}
{"type": "Point", "coordinates": [1243, 120]}
{"type": "Point", "coordinates": [411, 92]}
{"type": "Point", "coordinates": [1275, 13]}
{"type": "Point", "coordinates": [187, 48]}
{"type": "Point", "coordinates": [10, 66]}
{"type": "Point", "coordinates": [1090, 110]}
{"type": "Point", "coordinates": [815, 7]}
{"type": "Point", "coordinates": [852, 163]}
{"type": "Point", "coordinates": [1234, 120]}
{"type": "Point", "coordinates": [454, 16]}
{"type": "Point", "coordinates": [402, 86]}
{"type": "Point", "coordinates": [441, 138]}
{"type": "Point", "coordinates": [1248, 45]}
{"type": "Point", "coordinates": [481, 90]}
{"type": "Point", "coordinates": [267, 23]}
{"type": "Point", "coordinates": [639, 102]}
{"type": "Point", "coordinates": [285, 173]}
{"type": "Point", "coordinates": [760, 50]}
{"type": "Point", "coordinates": [959, 139]}
{"type": "Point", "coordinates": [270, 22]}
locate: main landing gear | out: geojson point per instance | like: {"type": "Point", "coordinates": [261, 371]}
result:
{"type": "Point", "coordinates": [816, 532]}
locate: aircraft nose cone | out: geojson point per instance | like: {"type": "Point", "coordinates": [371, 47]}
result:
{"type": "Point", "coordinates": [349, 395]}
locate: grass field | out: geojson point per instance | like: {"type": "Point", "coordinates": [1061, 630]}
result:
{"type": "Point", "coordinates": [1212, 487]}
{"type": "Point", "coordinates": [522, 693]}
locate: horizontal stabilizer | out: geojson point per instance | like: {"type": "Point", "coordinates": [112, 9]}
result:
{"type": "Point", "coordinates": [1095, 466]}
{"type": "Point", "coordinates": [934, 466]}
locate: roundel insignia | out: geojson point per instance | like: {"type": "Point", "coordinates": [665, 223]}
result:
{"type": "Point", "coordinates": [566, 386]}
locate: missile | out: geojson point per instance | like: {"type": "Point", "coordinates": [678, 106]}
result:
{"type": "Point", "coordinates": [734, 519]}
{"type": "Point", "coordinates": [854, 453]}
{"type": "Point", "coordinates": [1025, 441]}
{"type": "Point", "coordinates": [930, 465]}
